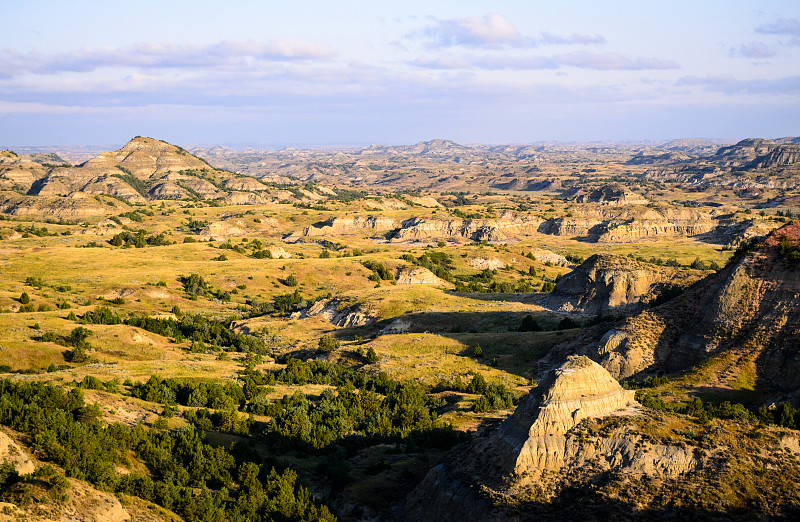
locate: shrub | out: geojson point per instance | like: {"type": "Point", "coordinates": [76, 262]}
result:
{"type": "Point", "coordinates": [49, 337]}
{"type": "Point", "coordinates": [568, 323]}
{"type": "Point", "coordinates": [328, 343]}
{"type": "Point", "coordinates": [291, 280]}
{"type": "Point", "coordinates": [24, 298]}
{"type": "Point", "coordinates": [371, 355]}
{"type": "Point", "coordinates": [529, 324]}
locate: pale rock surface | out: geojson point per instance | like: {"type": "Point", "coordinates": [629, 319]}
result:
{"type": "Point", "coordinates": [537, 447]}
{"type": "Point", "coordinates": [417, 275]}
{"type": "Point", "coordinates": [342, 314]}
{"type": "Point", "coordinates": [547, 256]}
{"type": "Point", "coordinates": [608, 283]}
{"type": "Point", "coordinates": [486, 263]}
{"type": "Point", "coordinates": [349, 225]}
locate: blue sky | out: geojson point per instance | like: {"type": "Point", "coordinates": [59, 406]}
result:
{"type": "Point", "coordinates": [353, 72]}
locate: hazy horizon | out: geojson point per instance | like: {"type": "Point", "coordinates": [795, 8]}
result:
{"type": "Point", "coordinates": [43, 147]}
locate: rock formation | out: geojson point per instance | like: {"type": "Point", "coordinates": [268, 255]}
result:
{"type": "Point", "coordinates": [750, 308]}
{"type": "Point", "coordinates": [343, 314]}
{"type": "Point", "coordinates": [607, 283]}
{"type": "Point", "coordinates": [486, 263]}
{"type": "Point", "coordinates": [417, 275]}
{"type": "Point", "coordinates": [349, 225]}
{"type": "Point", "coordinates": [538, 447]}
{"type": "Point", "coordinates": [546, 256]}
{"type": "Point", "coordinates": [622, 224]}
{"type": "Point", "coordinates": [505, 227]}
{"type": "Point", "coordinates": [610, 195]}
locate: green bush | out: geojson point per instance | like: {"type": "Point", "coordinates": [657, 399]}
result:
{"type": "Point", "coordinates": [529, 324]}
{"type": "Point", "coordinates": [328, 343]}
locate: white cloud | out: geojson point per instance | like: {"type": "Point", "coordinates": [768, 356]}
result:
{"type": "Point", "coordinates": [597, 60]}
{"type": "Point", "coordinates": [753, 50]}
{"type": "Point", "coordinates": [225, 54]}
{"type": "Point", "coordinates": [493, 31]}
{"type": "Point", "coordinates": [782, 26]}
{"type": "Point", "coordinates": [607, 61]}
{"type": "Point", "coordinates": [573, 39]}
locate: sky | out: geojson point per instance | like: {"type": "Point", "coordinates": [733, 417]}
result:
{"type": "Point", "coordinates": [359, 72]}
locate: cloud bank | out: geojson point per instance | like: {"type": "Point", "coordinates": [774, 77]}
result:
{"type": "Point", "coordinates": [154, 55]}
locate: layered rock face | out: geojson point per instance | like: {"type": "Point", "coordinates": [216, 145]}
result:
{"type": "Point", "coordinates": [727, 166]}
{"type": "Point", "coordinates": [144, 169]}
{"type": "Point", "coordinates": [751, 308]}
{"type": "Point", "coordinates": [342, 314]}
{"type": "Point", "coordinates": [145, 158]}
{"type": "Point", "coordinates": [606, 283]}
{"type": "Point", "coordinates": [505, 227]}
{"type": "Point", "coordinates": [611, 196]}
{"type": "Point", "coordinates": [538, 447]}
{"type": "Point", "coordinates": [625, 223]}
{"type": "Point", "coordinates": [349, 225]}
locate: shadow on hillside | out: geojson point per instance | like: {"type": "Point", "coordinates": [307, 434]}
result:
{"type": "Point", "coordinates": [524, 298]}
{"type": "Point", "coordinates": [497, 334]}
{"type": "Point", "coordinates": [587, 502]}
{"type": "Point", "coordinates": [718, 394]}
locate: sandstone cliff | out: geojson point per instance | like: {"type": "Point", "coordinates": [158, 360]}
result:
{"type": "Point", "coordinates": [625, 224]}
{"type": "Point", "coordinates": [541, 447]}
{"type": "Point", "coordinates": [349, 225]}
{"type": "Point", "coordinates": [751, 308]}
{"type": "Point", "coordinates": [505, 227]}
{"type": "Point", "coordinates": [607, 283]}
{"type": "Point", "coordinates": [342, 313]}
{"type": "Point", "coordinates": [610, 195]}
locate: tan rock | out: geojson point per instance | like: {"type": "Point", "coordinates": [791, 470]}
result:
{"type": "Point", "coordinates": [417, 275]}
{"type": "Point", "coordinates": [484, 263]}
{"type": "Point", "coordinates": [608, 283]}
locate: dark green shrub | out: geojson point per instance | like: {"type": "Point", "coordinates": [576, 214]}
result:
{"type": "Point", "coordinates": [328, 343]}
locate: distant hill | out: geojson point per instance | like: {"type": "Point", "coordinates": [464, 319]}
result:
{"type": "Point", "coordinates": [144, 169]}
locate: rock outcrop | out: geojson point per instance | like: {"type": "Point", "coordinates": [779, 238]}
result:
{"type": "Point", "coordinates": [610, 195]}
{"type": "Point", "coordinates": [417, 275]}
{"type": "Point", "coordinates": [349, 225]}
{"type": "Point", "coordinates": [750, 308]}
{"type": "Point", "coordinates": [607, 283]}
{"type": "Point", "coordinates": [506, 227]}
{"type": "Point", "coordinates": [343, 314]}
{"type": "Point", "coordinates": [486, 263]}
{"type": "Point", "coordinates": [622, 224]}
{"type": "Point", "coordinates": [547, 256]}
{"type": "Point", "coordinates": [540, 446]}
